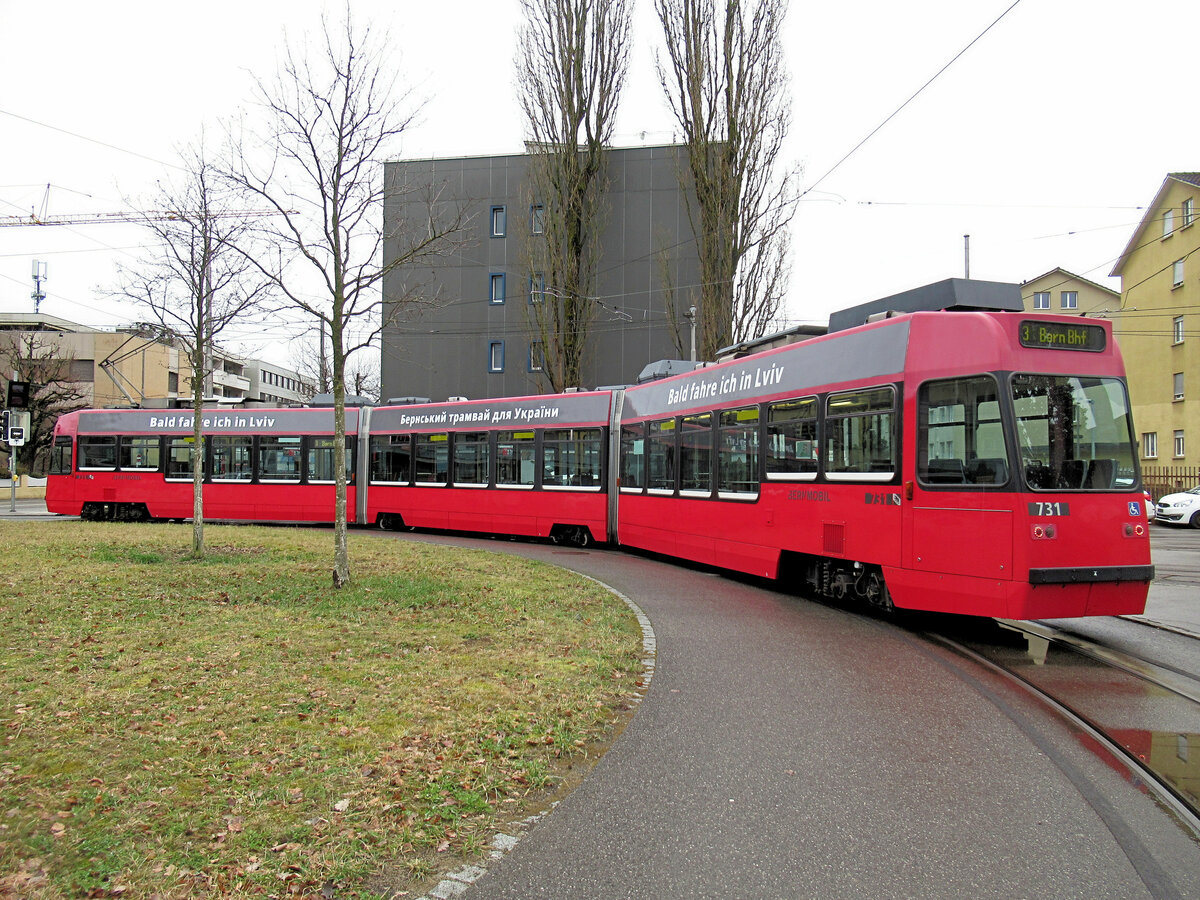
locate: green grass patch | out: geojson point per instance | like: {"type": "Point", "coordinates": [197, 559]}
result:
{"type": "Point", "coordinates": [233, 727]}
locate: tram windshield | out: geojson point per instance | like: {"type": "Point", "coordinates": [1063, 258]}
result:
{"type": "Point", "coordinates": [1074, 432]}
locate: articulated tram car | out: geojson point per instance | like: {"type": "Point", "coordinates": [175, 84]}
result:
{"type": "Point", "coordinates": [970, 462]}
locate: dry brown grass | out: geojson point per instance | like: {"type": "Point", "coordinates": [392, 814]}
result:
{"type": "Point", "coordinates": [233, 727]}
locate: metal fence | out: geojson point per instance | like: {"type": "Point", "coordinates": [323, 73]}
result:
{"type": "Point", "coordinates": [1160, 480]}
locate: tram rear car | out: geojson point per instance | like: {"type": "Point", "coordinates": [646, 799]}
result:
{"type": "Point", "coordinates": [964, 462]}
{"type": "Point", "coordinates": [271, 465]}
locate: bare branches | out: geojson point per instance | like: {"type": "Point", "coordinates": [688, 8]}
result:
{"type": "Point", "coordinates": [571, 64]}
{"type": "Point", "coordinates": [195, 282]}
{"type": "Point", "coordinates": [725, 84]}
{"type": "Point", "coordinates": [331, 118]}
{"type": "Point", "coordinates": [40, 359]}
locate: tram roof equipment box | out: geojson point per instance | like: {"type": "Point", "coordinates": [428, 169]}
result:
{"type": "Point", "coordinates": [953, 293]}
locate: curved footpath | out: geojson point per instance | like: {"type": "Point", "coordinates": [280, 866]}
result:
{"type": "Point", "coordinates": [786, 749]}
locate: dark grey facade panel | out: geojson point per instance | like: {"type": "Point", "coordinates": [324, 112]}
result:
{"type": "Point", "coordinates": [442, 350]}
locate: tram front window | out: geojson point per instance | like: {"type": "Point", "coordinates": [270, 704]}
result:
{"type": "Point", "coordinates": [1074, 432]}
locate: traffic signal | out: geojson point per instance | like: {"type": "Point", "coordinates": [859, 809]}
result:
{"type": "Point", "coordinates": [18, 395]}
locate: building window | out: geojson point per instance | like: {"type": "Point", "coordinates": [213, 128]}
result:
{"type": "Point", "coordinates": [1189, 212]}
{"type": "Point", "coordinates": [1041, 300]}
{"type": "Point", "coordinates": [537, 356]}
{"type": "Point", "coordinates": [499, 221]}
{"type": "Point", "coordinates": [1070, 299]}
{"type": "Point", "coordinates": [496, 356]}
{"type": "Point", "coordinates": [1168, 222]}
{"type": "Point", "coordinates": [1177, 330]}
{"type": "Point", "coordinates": [1150, 445]}
{"type": "Point", "coordinates": [1177, 274]}
{"type": "Point", "coordinates": [537, 287]}
{"type": "Point", "coordinates": [537, 217]}
{"type": "Point", "coordinates": [1178, 385]}
{"type": "Point", "coordinates": [496, 287]}
{"type": "Point", "coordinates": [1179, 445]}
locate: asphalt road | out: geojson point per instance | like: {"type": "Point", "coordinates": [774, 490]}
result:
{"type": "Point", "coordinates": [788, 749]}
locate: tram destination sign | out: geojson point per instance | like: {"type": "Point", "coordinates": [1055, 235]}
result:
{"type": "Point", "coordinates": [1062, 336]}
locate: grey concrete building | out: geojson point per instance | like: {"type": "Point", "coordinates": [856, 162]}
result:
{"type": "Point", "coordinates": [471, 336]}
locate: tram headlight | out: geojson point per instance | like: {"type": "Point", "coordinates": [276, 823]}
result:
{"type": "Point", "coordinates": [1047, 532]}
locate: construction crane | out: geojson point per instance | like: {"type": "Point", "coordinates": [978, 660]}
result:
{"type": "Point", "coordinates": [127, 217]}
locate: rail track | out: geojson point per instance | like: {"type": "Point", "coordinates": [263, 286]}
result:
{"type": "Point", "coordinates": [1140, 704]}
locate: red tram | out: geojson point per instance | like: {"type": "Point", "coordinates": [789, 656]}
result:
{"type": "Point", "coordinates": [970, 462]}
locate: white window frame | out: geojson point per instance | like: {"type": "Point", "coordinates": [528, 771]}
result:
{"type": "Point", "coordinates": [1069, 299]}
{"type": "Point", "coordinates": [1177, 381]}
{"type": "Point", "coordinates": [1150, 445]}
{"type": "Point", "coordinates": [1179, 445]}
{"type": "Point", "coordinates": [496, 356]}
{"type": "Point", "coordinates": [1041, 300]}
{"type": "Point", "coordinates": [1177, 330]}
{"type": "Point", "coordinates": [496, 280]}
{"type": "Point", "coordinates": [1168, 221]}
{"type": "Point", "coordinates": [1189, 211]}
{"type": "Point", "coordinates": [498, 222]}
{"type": "Point", "coordinates": [1177, 274]}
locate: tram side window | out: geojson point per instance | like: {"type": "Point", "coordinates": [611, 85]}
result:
{"type": "Point", "coordinates": [571, 457]}
{"type": "Point", "coordinates": [231, 457]}
{"type": "Point", "coordinates": [737, 460]}
{"type": "Point", "coordinates": [695, 453]}
{"type": "Point", "coordinates": [660, 456]}
{"type": "Point", "coordinates": [139, 453]}
{"type": "Point", "coordinates": [279, 458]}
{"type": "Point", "coordinates": [960, 440]}
{"type": "Point", "coordinates": [391, 458]}
{"type": "Point", "coordinates": [433, 458]}
{"type": "Point", "coordinates": [320, 459]}
{"type": "Point", "coordinates": [859, 435]}
{"type": "Point", "coordinates": [791, 451]}
{"type": "Point", "coordinates": [633, 457]}
{"type": "Point", "coordinates": [98, 452]}
{"type": "Point", "coordinates": [516, 461]}
{"type": "Point", "coordinates": [179, 457]}
{"type": "Point", "coordinates": [60, 456]}
{"type": "Point", "coordinates": [471, 458]}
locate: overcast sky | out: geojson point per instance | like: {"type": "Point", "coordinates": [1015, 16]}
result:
{"type": "Point", "coordinates": [1041, 142]}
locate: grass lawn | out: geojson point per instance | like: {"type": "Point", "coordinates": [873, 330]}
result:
{"type": "Point", "coordinates": [232, 727]}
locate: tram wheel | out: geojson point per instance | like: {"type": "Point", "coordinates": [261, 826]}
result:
{"type": "Point", "coordinates": [877, 593]}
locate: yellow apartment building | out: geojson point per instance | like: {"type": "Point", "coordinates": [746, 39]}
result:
{"type": "Point", "coordinates": [1158, 328]}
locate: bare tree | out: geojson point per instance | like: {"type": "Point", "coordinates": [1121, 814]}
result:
{"type": "Point", "coordinates": [331, 119]}
{"type": "Point", "coordinates": [36, 358]}
{"type": "Point", "coordinates": [572, 59]}
{"type": "Point", "coordinates": [195, 281]}
{"type": "Point", "coordinates": [727, 88]}
{"type": "Point", "coordinates": [312, 364]}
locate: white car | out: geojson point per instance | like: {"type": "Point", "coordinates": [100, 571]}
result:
{"type": "Point", "coordinates": [1180, 509]}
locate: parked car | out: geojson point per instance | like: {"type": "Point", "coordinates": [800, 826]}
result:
{"type": "Point", "coordinates": [1180, 509]}
{"type": "Point", "coordinates": [1151, 509]}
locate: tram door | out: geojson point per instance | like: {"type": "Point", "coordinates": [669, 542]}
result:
{"type": "Point", "coordinates": [959, 516]}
